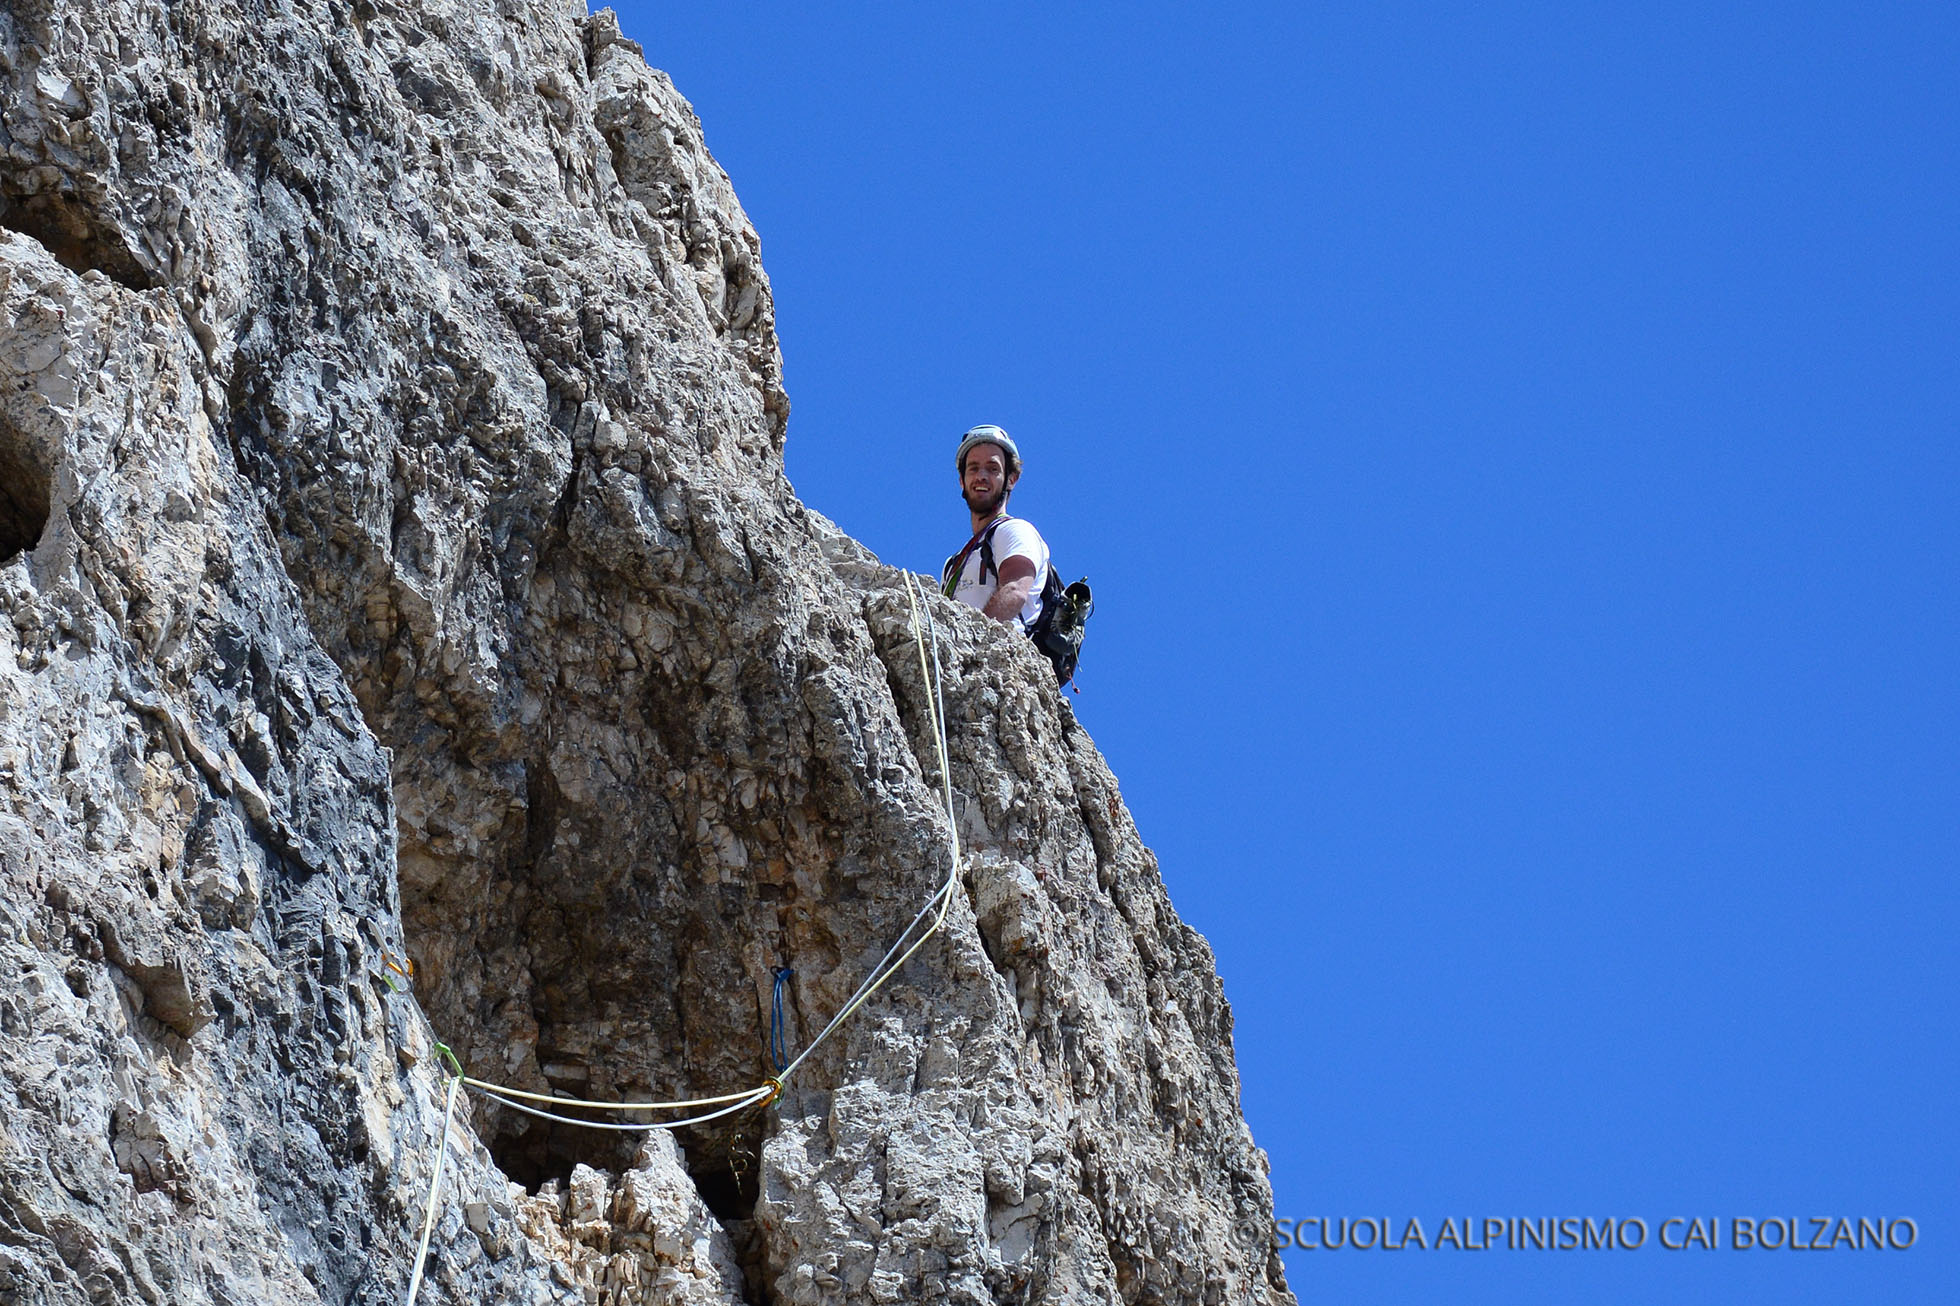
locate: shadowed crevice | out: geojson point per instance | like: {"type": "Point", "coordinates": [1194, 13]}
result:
{"type": "Point", "coordinates": [24, 487]}
{"type": "Point", "coordinates": [533, 1152]}
{"type": "Point", "coordinates": [79, 240]}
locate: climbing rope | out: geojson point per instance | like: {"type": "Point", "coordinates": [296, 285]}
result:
{"type": "Point", "coordinates": [435, 1178]}
{"type": "Point", "coordinates": [497, 1094]}
{"type": "Point", "coordinates": [942, 899]}
{"type": "Point", "coordinates": [729, 1103]}
{"type": "Point", "coordinates": [936, 907]}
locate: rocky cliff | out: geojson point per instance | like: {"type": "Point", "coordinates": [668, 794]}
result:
{"type": "Point", "coordinates": [397, 563]}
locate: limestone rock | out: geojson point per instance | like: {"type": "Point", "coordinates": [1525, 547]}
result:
{"type": "Point", "coordinates": [410, 635]}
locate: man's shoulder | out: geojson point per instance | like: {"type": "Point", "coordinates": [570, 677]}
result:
{"type": "Point", "coordinates": [1017, 535]}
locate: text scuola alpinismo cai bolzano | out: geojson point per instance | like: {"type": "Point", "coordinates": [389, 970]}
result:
{"type": "Point", "coordinates": [1817, 1233]}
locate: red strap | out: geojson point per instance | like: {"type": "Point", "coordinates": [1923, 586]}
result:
{"type": "Point", "coordinates": [959, 563]}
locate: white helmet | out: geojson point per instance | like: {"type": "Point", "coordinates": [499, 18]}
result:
{"type": "Point", "coordinates": [985, 434]}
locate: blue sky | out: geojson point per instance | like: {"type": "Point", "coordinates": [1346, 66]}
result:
{"type": "Point", "coordinates": [1516, 450]}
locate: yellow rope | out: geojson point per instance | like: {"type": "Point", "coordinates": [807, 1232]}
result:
{"type": "Point", "coordinates": [501, 1091]}
{"type": "Point", "coordinates": [942, 900]}
{"type": "Point", "coordinates": [744, 1100]}
{"type": "Point", "coordinates": [935, 707]}
{"type": "Point", "coordinates": [435, 1186]}
{"type": "Point", "coordinates": [766, 1093]}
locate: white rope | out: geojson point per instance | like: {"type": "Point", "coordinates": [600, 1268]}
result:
{"type": "Point", "coordinates": [502, 1091]}
{"type": "Point", "coordinates": [943, 898]}
{"type": "Point", "coordinates": [746, 1099]}
{"type": "Point", "coordinates": [435, 1186]}
{"type": "Point", "coordinates": [936, 906]}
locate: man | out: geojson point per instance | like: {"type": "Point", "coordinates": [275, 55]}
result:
{"type": "Point", "coordinates": [1001, 569]}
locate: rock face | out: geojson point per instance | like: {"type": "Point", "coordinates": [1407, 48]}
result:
{"type": "Point", "coordinates": [400, 575]}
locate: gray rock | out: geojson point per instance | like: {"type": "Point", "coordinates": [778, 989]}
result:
{"type": "Point", "coordinates": [400, 578]}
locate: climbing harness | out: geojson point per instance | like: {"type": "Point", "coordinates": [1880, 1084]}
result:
{"type": "Point", "coordinates": [983, 540]}
{"type": "Point", "coordinates": [772, 1088]}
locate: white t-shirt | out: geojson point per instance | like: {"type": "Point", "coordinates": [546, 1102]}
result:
{"type": "Point", "coordinates": [1013, 538]}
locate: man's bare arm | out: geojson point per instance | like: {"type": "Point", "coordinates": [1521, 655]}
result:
{"type": "Point", "coordinates": [1016, 583]}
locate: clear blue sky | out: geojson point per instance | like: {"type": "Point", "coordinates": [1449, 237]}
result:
{"type": "Point", "coordinates": [1516, 450]}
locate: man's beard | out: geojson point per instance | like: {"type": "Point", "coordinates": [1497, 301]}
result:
{"type": "Point", "coordinates": [985, 507]}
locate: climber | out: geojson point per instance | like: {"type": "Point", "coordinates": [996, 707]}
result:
{"type": "Point", "coordinates": [1002, 568]}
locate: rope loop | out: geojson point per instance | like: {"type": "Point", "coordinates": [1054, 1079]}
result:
{"type": "Point", "coordinates": [772, 1088]}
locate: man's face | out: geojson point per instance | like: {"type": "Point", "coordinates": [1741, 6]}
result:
{"type": "Point", "coordinates": [984, 481]}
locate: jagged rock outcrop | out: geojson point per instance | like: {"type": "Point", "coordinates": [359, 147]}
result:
{"type": "Point", "coordinates": [398, 563]}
